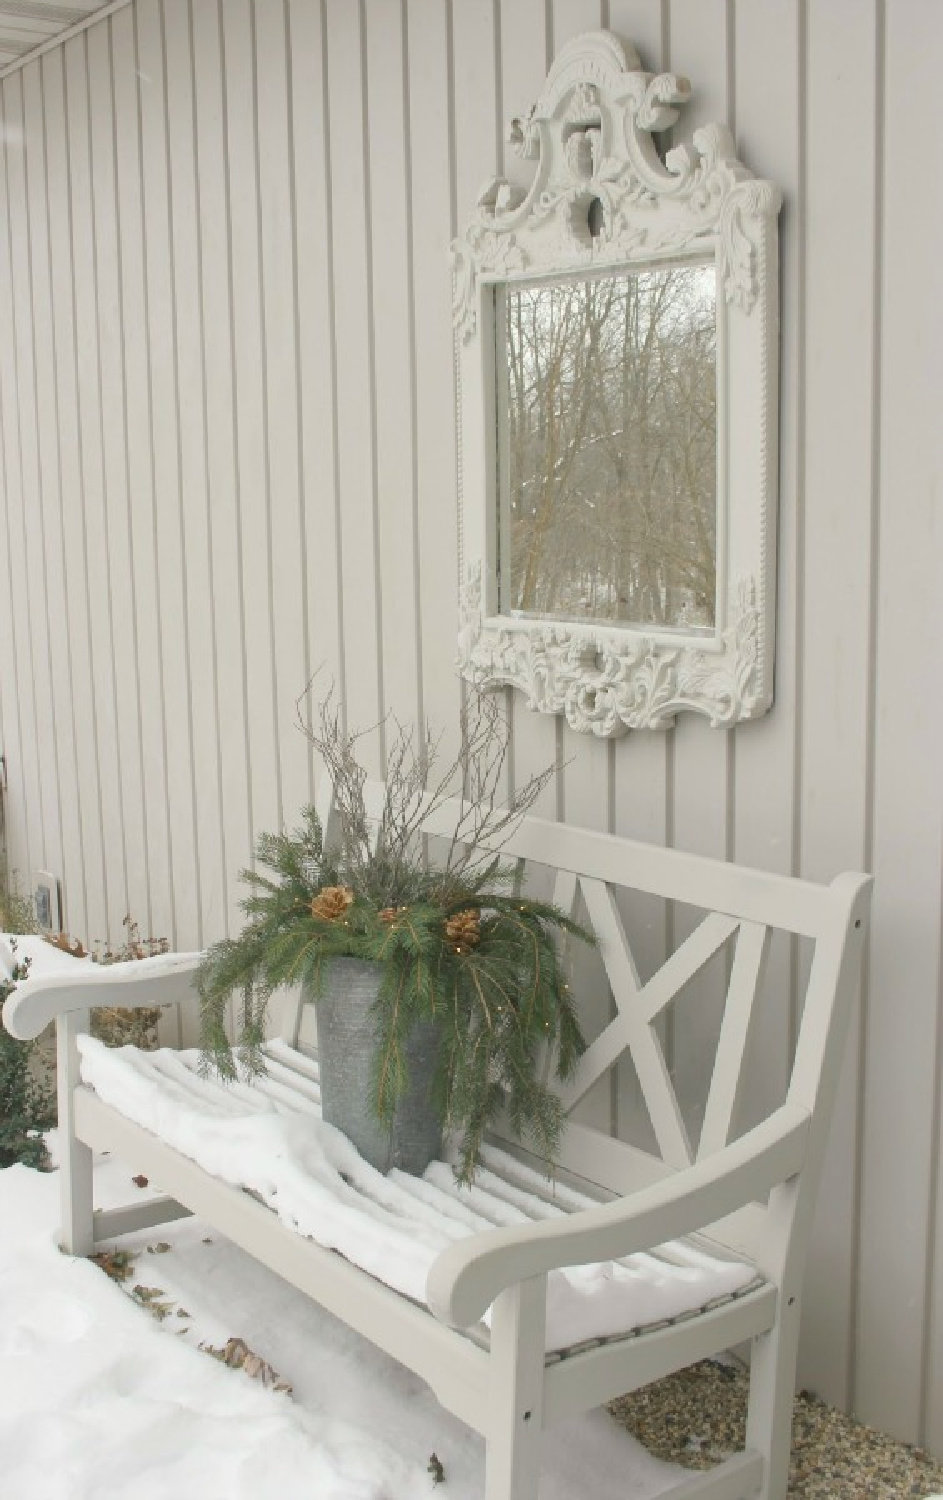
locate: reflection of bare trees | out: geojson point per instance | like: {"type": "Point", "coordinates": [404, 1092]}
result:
{"type": "Point", "coordinates": [612, 448]}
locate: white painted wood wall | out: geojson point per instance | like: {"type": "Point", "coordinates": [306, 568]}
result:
{"type": "Point", "coordinates": [228, 455]}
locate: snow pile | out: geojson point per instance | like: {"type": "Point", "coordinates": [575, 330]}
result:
{"type": "Point", "coordinates": [45, 956]}
{"type": "Point", "coordinates": [270, 1138]}
{"type": "Point", "coordinates": [101, 1402]}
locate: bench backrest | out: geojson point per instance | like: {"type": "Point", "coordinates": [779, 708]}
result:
{"type": "Point", "coordinates": [594, 877]}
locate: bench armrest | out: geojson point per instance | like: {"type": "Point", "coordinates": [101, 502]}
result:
{"type": "Point", "coordinates": [165, 979]}
{"type": "Point", "coordinates": [467, 1277]}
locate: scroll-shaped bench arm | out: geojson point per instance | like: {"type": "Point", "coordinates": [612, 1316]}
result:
{"type": "Point", "coordinates": [466, 1278]}
{"type": "Point", "coordinates": [165, 979]}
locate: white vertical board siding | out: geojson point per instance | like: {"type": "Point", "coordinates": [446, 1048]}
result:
{"type": "Point", "coordinates": [767, 44]}
{"type": "Point", "coordinates": [161, 296]}
{"type": "Point", "coordinates": [525, 51]}
{"type": "Point", "coordinates": [83, 902]}
{"type": "Point", "coordinates": [242, 187]}
{"type": "Point", "coordinates": [584, 773]}
{"type": "Point", "coordinates": [91, 136]}
{"type": "Point", "coordinates": [838, 488]}
{"type": "Point", "coordinates": [701, 760]}
{"type": "Point", "coordinates": [643, 763]}
{"type": "Point", "coordinates": [902, 1058]}
{"type": "Point", "coordinates": [310, 145]}
{"type": "Point", "coordinates": [430, 86]}
{"type": "Point", "coordinates": [25, 510]}
{"type": "Point", "coordinates": [477, 154]}
{"type": "Point", "coordinates": [282, 417]}
{"type": "Point", "coordinates": [229, 457]}
{"type": "Point", "coordinates": [15, 709]}
{"type": "Point", "coordinates": [222, 500]}
{"type": "Point", "coordinates": [196, 538]}
{"type": "Point", "coordinates": [361, 601]}
{"type": "Point", "coordinates": [47, 353]}
{"type": "Point", "coordinates": [133, 400]}
{"type": "Point", "coordinates": [394, 362]}
{"type": "Point", "coordinates": [98, 376]}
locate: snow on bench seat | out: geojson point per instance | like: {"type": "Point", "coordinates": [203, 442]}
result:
{"type": "Point", "coordinates": [269, 1139]}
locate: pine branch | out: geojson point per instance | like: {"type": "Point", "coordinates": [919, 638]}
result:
{"type": "Point", "coordinates": [458, 943]}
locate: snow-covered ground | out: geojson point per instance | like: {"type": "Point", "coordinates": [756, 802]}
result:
{"type": "Point", "coordinates": [100, 1401]}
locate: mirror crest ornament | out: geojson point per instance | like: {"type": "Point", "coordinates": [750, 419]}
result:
{"type": "Point", "coordinates": [605, 218]}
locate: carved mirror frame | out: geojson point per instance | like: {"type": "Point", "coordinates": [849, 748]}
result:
{"type": "Point", "coordinates": [590, 135]}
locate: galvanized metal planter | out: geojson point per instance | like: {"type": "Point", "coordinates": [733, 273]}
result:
{"type": "Point", "coordinates": [347, 1044]}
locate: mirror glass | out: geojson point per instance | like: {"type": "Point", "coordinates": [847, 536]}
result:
{"type": "Point", "coordinates": [607, 448]}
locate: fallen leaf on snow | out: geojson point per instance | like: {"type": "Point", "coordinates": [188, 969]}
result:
{"type": "Point", "coordinates": [118, 1264]}
{"type": "Point", "coordinates": [238, 1356]}
{"type": "Point", "coordinates": [149, 1297]}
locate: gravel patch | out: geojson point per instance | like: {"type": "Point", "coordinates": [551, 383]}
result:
{"type": "Point", "coordinates": [697, 1418]}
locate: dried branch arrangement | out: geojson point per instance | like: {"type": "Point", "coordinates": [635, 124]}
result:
{"type": "Point", "coordinates": [456, 942]}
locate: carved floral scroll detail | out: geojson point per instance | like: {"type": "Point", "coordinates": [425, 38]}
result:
{"type": "Point", "coordinates": [607, 682]}
{"type": "Point", "coordinates": [587, 151]}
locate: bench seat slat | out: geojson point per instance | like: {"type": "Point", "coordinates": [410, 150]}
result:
{"type": "Point", "coordinates": [345, 1203]}
{"type": "Point", "coordinates": [455, 1368]}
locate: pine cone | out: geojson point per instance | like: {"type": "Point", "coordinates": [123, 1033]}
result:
{"type": "Point", "coordinates": [463, 930]}
{"type": "Point", "coordinates": [332, 902]}
{"type": "Point", "coordinates": [389, 914]}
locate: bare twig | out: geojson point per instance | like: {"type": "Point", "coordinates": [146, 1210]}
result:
{"type": "Point", "coordinates": [417, 784]}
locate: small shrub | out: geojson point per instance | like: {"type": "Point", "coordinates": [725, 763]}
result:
{"type": "Point", "coordinates": [27, 1097]}
{"type": "Point", "coordinates": [117, 1025]}
{"type": "Point", "coordinates": [17, 913]}
{"type": "Point", "coordinates": [27, 1102]}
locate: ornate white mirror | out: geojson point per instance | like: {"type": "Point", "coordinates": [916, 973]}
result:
{"type": "Point", "coordinates": [617, 338]}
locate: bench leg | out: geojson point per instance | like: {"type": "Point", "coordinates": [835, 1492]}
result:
{"type": "Point", "coordinates": [772, 1387]}
{"type": "Point", "coordinates": [75, 1164]}
{"type": "Point", "coordinates": [518, 1330]}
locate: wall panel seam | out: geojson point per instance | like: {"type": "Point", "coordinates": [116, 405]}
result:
{"type": "Point", "coordinates": [211, 557]}
{"type": "Point", "coordinates": [61, 509]}
{"type": "Point", "coordinates": [106, 513]}
{"type": "Point", "coordinates": [299, 377]}
{"type": "Point", "coordinates": [802, 343]}
{"type": "Point", "coordinates": [933, 1292]}
{"type": "Point", "coordinates": [42, 495]}
{"type": "Point", "coordinates": [4, 483]}
{"type": "Point", "coordinates": [132, 579]}
{"type": "Point", "coordinates": [264, 424]}
{"type": "Point", "coordinates": [870, 747]}
{"type": "Point", "coordinates": [79, 477]}
{"type": "Point", "coordinates": [178, 419]}
{"type": "Point", "coordinates": [332, 341]}
{"type": "Point", "coordinates": [411, 358]}
{"type": "Point", "coordinates": [372, 379]}
{"type": "Point", "coordinates": [234, 416]}
{"type": "Point", "coordinates": [149, 384]}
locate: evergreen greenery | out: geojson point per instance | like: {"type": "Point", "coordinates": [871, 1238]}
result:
{"type": "Point", "coordinates": [27, 1104]}
{"type": "Point", "coordinates": [455, 941]}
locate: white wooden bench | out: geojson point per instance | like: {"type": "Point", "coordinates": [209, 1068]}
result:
{"type": "Point", "coordinates": [748, 1197]}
